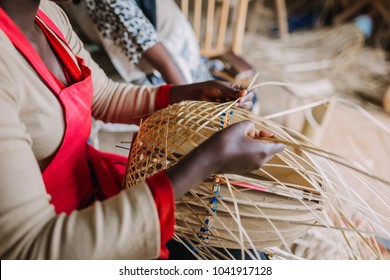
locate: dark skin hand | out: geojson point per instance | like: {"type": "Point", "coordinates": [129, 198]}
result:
{"type": "Point", "coordinates": [232, 150]}
{"type": "Point", "coordinates": [213, 91]}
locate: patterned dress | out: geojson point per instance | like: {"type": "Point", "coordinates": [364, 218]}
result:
{"type": "Point", "coordinates": [126, 33]}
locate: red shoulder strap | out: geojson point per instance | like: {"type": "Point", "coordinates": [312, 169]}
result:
{"type": "Point", "coordinates": [25, 48]}
{"type": "Point", "coordinates": [51, 25]}
{"type": "Point", "coordinates": [70, 67]}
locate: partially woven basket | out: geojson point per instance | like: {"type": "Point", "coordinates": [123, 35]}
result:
{"type": "Point", "coordinates": [278, 203]}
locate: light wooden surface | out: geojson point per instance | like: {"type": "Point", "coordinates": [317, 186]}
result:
{"type": "Point", "coordinates": [282, 16]}
{"type": "Point", "coordinates": [386, 100]}
{"type": "Point", "coordinates": [239, 26]}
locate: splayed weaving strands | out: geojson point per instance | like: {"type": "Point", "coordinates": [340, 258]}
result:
{"type": "Point", "coordinates": [306, 56]}
{"type": "Point", "coordinates": [268, 207]}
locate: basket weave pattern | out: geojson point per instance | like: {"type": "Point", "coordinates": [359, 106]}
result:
{"type": "Point", "coordinates": [267, 207]}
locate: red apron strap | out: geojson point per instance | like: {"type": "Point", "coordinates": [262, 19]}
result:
{"type": "Point", "coordinates": [71, 68]}
{"type": "Point", "coordinates": [68, 178]}
{"type": "Point", "coordinates": [25, 48]}
{"type": "Point", "coordinates": [51, 25]}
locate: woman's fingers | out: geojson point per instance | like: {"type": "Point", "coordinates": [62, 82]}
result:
{"type": "Point", "coordinates": [267, 134]}
{"type": "Point", "coordinates": [257, 134]}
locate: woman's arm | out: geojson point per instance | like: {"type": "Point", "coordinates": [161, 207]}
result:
{"type": "Point", "coordinates": [116, 228]}
{"type": "Point", "coordinates": [29, 226]}
{"type": "Point", "coordinates": [134, 36]}
{"type": "Point", "coordinates": [161, 60]}
{"type": "Point", "coordinates": [126, 226]}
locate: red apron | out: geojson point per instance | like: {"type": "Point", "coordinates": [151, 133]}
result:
{"type": "Point", "coordinates": [78, 174]}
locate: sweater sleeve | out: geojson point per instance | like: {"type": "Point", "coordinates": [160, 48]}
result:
{"type": "Point", "coordinates": [162, 191]}
{"type": "Point", "coordinates": [113, 101]}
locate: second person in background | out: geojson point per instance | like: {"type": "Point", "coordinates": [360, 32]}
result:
{"type": "Point", "coordinates": [141, 37]}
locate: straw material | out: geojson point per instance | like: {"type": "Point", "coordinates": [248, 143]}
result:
{"type": "Point", "coordinates": [355, 219]}
{"type": "Point", "coordinates": [305, 55]}
{"type": "Point", "coordinates": [268, 207]}
{"type": "Point", "coordinates": [323, 244]}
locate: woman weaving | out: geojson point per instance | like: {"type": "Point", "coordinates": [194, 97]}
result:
{"type": "Point", "coordinates": [59, 197]}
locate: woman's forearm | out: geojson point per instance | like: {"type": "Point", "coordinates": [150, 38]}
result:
{"type": "Point", "coordinates": [160, 59]}
{"type": "Point", "coordinates": [191, 170]}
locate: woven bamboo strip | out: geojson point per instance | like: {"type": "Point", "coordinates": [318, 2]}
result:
{"type": "Point", "coordinates": [246, 218]}
{"type": "Point", "coordinates": [290, 200]}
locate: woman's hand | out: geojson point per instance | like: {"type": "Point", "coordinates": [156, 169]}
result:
{"type": "Point", "coordinates": [240, 150]}
{"type": "Point", "coordinates": [213, 91]}
{"type": "Point", "coordinates": [232, 150]}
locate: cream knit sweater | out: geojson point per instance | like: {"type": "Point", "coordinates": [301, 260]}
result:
{"type": "Point", "coordinates": [31, 128]}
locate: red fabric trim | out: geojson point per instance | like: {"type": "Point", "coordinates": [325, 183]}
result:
{"type": "Point", "coordinates": [162, 97]}
{"type": "Point", "coordinates": [109, 170]}
{"type": "Point", "coordinates": [162, 191]}
{"type": "Point", "coordinates": [51, 24]}
{"type": "Point", "coordinates": [71, 70]}
{"type": "Point", "coordinates": [22, 44]}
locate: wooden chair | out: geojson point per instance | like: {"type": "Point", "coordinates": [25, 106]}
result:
{"type": "Point", "coordinates": [219, 26]}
